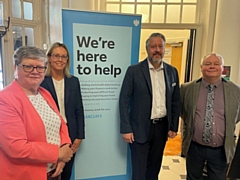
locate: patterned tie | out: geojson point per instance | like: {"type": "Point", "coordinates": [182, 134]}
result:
{"type": "Point", "coordinates": [207, 131]}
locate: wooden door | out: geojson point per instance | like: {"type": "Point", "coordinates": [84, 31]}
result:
{"type": "Point", "coordinates": [173, 55]}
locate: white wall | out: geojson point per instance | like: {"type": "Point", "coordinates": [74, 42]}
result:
{"type": "Point", "coordinates": [227, 37]}
{"type": "Point", "coordinates": [55, 21]}
{"type": "Point", "coordinates": [205, 33]}
{"type": "Point", "coordinates": [55, 15]}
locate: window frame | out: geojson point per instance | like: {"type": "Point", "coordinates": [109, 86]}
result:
{"type": "Point", "coordinates": [135, 3]}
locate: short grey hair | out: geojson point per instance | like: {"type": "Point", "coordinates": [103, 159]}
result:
{"type": "Point", "coordinates": [29, 52]}
{"type": "Point", "coordinates": [213, 54]}
{"type": "Point", "coordinates": [155, 35]}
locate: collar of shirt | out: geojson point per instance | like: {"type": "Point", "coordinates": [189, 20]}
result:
{"type": "Point", "coordinates": [151, 66]}
{"type": "Point", "coordinates": [205, 83]}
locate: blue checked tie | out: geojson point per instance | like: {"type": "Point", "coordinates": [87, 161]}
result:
{"type": "Point", "coordinates": [207, 130]}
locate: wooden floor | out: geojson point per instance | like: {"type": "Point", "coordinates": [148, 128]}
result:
{"type": "Point", "coordinates": [173, 146]}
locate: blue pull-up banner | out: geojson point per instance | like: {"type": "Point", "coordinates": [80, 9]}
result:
{"type": "Point", "coordinates": [102, 46]}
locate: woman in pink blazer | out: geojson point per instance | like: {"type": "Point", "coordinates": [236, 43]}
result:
{"type": "Point", "coordinates": [34, 140]}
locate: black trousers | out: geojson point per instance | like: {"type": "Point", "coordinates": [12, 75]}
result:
{"type": "Point", "coordinates": [147, 157]}
{"type": "Point", "coordinates": [215, 159]}
{"type": "Point", "coordinates": [67, 170]}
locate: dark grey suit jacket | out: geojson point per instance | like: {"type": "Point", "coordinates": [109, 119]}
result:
{"type": "Point", "coordinates": [189, 98]}
{"type": "Point", "coordinates": [135, 101]}
{"type": "Point", "coordinates": [72, 103]}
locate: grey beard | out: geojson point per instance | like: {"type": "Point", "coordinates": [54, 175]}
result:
{"type": "Point", "coordinates": [156, 60]}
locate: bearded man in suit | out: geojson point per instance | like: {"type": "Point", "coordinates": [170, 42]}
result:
{"type": "Point", "coordinates": [149, 109]}
{"type": "Point", "coordinates": [209, 119]}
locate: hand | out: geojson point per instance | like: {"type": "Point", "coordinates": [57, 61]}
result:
{"type": "Point", "coordinates": [129, 137]}
{"type": "Point", "coordinates": [76, 145]}
{"type": "Point", "coordinates": [65, 153]}
{"type": "Point", "coordinates": [59, 169]}
{"type": "Point", "coordinates": [172, 134]}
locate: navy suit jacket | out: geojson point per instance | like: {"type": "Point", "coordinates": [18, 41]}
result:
{"type": "Point", "coordinates": [72, 104]}
{"type": "Point", "coordinates": [135, 101]}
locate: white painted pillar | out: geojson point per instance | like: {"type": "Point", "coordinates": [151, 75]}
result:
{"type": "Point", "coordinates": [227, 37]}
{"type": "Point", "coordinates": [55, 15]}
{"type": "Point", "coordinates": [81, 4]}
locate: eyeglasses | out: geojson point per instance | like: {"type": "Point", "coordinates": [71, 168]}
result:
{"type": "Point", "coordinates": [57, 56]}
{"type": "Point", "coordinates": [30, 68]}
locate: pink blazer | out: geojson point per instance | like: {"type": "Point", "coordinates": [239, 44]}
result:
{"type": "Point", "coordinates": [24, 152]}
